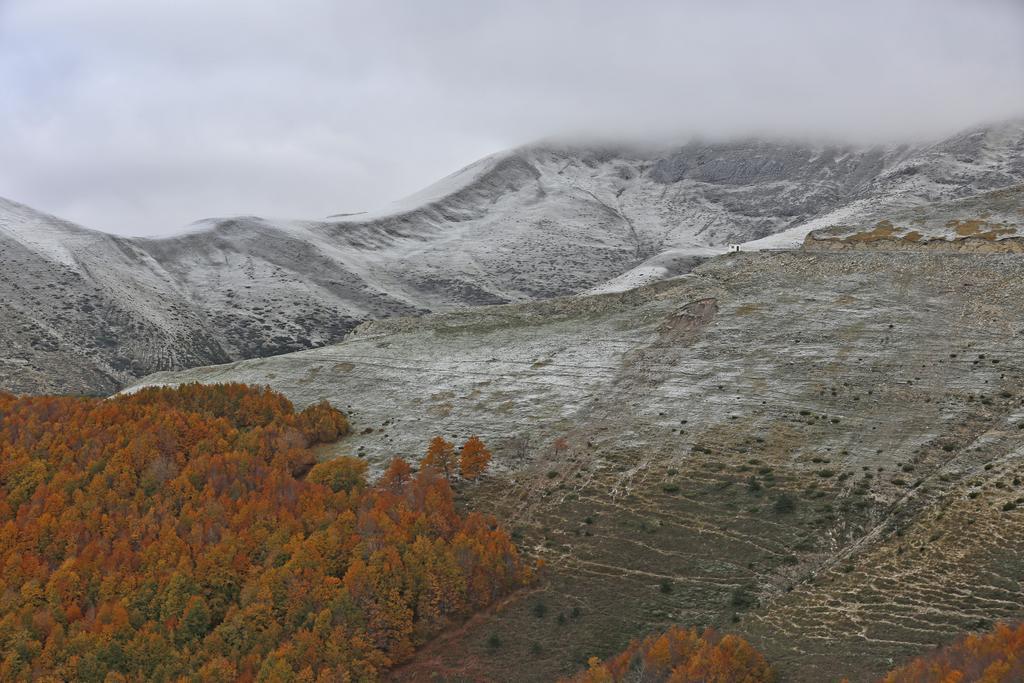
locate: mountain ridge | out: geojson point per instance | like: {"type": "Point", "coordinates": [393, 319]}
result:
{"type": "Point", "coordinates": [534, 222]}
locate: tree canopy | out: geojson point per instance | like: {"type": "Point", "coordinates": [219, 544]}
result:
{"type": "Point", "coordinates": [189, 533]}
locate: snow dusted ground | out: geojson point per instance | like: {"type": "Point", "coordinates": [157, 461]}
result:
{"type": "Point", "coordinates": [794, 237]}
{"type": "Point", "coordinates": [45, 235]}
{"type": "Point", "coordinates": [669, 263]}
{"type": "Point", "coordinates": [531, 223]}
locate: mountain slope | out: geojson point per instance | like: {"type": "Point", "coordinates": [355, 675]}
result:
{"type": "Point", "coordinates": [532, 223]}
{"type": "Point", "coordinates": [819, 451]}
{"type": "Point", "coordinates": [83, 310]}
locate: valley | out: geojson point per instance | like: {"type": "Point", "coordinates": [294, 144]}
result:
{"type": "Point", "coordinates": [454, 342]}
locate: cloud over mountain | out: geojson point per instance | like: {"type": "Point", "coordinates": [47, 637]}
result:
{"type": "Point", "coordinates": [140, 118]}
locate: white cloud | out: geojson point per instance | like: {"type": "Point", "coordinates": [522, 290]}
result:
{"type": "Point", "coordinates": [139, 117]}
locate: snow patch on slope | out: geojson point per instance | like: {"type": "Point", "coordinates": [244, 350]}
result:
{"type": "Point", "coordinates": [46, 235]}
{"type": "Point", "coordinates": [446, 187]}
{"type": "Point", "coordinates": [794, 237]}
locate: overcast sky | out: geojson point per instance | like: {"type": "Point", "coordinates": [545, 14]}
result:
{"type": "Point", "coordinates": [141, 116]}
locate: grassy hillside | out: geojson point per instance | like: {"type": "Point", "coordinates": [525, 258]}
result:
{"type": "Point", "coordinates": [817, 451]}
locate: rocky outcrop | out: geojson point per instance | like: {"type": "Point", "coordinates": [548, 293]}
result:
{"type": "Point", "coordinates": [913, 241]}
{"type": "Point", "coordinates": [990, 223]}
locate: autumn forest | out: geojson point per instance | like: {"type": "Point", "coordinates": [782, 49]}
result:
{"type": "Point", "coordinates": [190, 534]}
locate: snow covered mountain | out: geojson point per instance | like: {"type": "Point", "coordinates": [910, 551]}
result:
{"type": "Point", "coordinates": [86, 312]}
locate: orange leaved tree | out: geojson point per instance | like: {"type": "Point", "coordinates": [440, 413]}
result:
{"type": "Point", "coordinates": [473, 458]}
{"type": "Point", "coordinates": [682, 656]}
{"type": "Point", "coordinates": [188, 534]}
{"type": "Point", "coordinates": [441, 456]}
{"type": "Point", "coordinates": [994, 657]}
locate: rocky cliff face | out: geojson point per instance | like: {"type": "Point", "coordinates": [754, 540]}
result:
{"type": "Point", "coordinates": [821, 451]}
{"type": "Point", "coordinates": [91, 311]}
